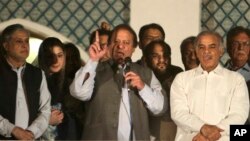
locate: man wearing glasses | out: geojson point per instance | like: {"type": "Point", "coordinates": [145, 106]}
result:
{"type": "Point", "coordinates": [238, 43]}
{"type": "Point", "coordinates": [238, 50]}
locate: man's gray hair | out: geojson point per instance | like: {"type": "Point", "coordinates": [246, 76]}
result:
{"type": "Point", "coordinates": [213, 33]}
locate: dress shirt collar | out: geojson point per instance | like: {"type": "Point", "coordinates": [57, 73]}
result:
{"type": "Point", "coordinates": [246, 67]}
{"type": "Point", "coordinates": [15, 68]}
{"type": "Point", "coordinates": [217, 70]}
{"type": "Point", "coordinates": [22, 68]}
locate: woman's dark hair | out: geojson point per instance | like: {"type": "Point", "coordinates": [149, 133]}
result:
{"type": "Point", "coordinates": [73, 61]}
{"type": "Point", "coordinates": [46, 58]}
{"type": "Point", "coordinates": [45, 55]}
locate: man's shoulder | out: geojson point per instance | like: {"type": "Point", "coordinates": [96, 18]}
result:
{"type": "Point", "coordinates": [176, 68]}
{"type": "Point", "coordinates": [233, 75]}
{"type": "Point", "coordinates": [187, 74]}
{"type": "Point", "coordinates": [140, 67]}
{"type": "Point", "coordinates": [139, 62]}
{"type": "Point", "coordinates": [246, 67]}
{"type": "Point", "coordinates": [33, 69]}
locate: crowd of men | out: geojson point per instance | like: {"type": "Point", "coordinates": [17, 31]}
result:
{"type": "Point", "coordinates": [114, 98]}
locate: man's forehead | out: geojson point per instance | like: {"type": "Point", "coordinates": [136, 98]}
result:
{"type": "Point", "coordinates": [124, 34]}
{"type": "Point", "coordinates": [124, 31]}
{"type": "Point", "coordinates": [20, 34]}
{"type": "Point", "coordinates": [208, 39]}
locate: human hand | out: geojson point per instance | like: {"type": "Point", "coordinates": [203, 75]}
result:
{"type": "Point", "coordinates": [199, 137]}
{"type": "Point", "coordinates": [105, 25]}
{"type": "Point", "coordinates": [134, 80]}
{"type": "Point", "coordinates": [211, 132]}
{"type": "Point", "coordinates": [56, 117]}
{"type": "Point", "coordinates": [96, 51]}
{"type": "Point", "coordinates": [22, 134]}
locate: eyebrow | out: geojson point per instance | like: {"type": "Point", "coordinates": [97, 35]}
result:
{"type": "Point", "coordinates": [213, 44]}
{"type": "Point", "coordinates": [59, 53]}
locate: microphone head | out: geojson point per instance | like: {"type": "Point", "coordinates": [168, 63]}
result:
{"type": "Point", "coordinates": [127, 61]}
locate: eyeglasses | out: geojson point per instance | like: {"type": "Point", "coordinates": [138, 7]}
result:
{"type": "Point", "coordinates": [124, 42]}
{"type": "Point", "coordinates": [243, 44]}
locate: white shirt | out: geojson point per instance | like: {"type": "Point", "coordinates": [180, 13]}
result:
{"type": "Point", "coordinates": [151, 95]}
{"type": "Point", "coordinates": [197, 97]}
{"type": "Point", "coordinates": [22, 114]}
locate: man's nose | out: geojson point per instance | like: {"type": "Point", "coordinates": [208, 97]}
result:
{"type": "Point", "coordinates": [162, 59]}
{"type": "Point", "coordinates": [24, 44]}
{"type": "Point", "coordinates": [241, 46]}
{"type": "Point", "coordinates": [120, 45]}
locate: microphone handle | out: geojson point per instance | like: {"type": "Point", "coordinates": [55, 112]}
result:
{"type": "Point", "coordinates": [127, 69]}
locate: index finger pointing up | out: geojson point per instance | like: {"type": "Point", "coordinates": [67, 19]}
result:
{"type": "Point", "coordinates": [97, 36]}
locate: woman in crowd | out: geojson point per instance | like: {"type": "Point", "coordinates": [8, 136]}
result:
{"type": "Point", "coordinates": [52, 59]}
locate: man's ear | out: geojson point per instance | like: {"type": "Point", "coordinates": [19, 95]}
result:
{"type": "Point", "coordinates": [5, 46]}
{"type": "Point", "coordinates": [133, 50]}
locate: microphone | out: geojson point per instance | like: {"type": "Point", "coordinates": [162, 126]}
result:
{"type": "Point", "coordinates": [127, 68]}
{"type": "Point", "coordinates": [127, 63]}
{"type": "Point", "coordinates": [57, 106]}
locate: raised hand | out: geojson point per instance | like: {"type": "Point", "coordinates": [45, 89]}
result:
{"type": "Point", "coordinates": [96, 52]}
{"type": "Point", "coordinates": [105, 25]}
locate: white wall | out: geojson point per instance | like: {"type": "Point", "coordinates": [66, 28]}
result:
{"type": "Point", "coordinates": [179, 18]}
